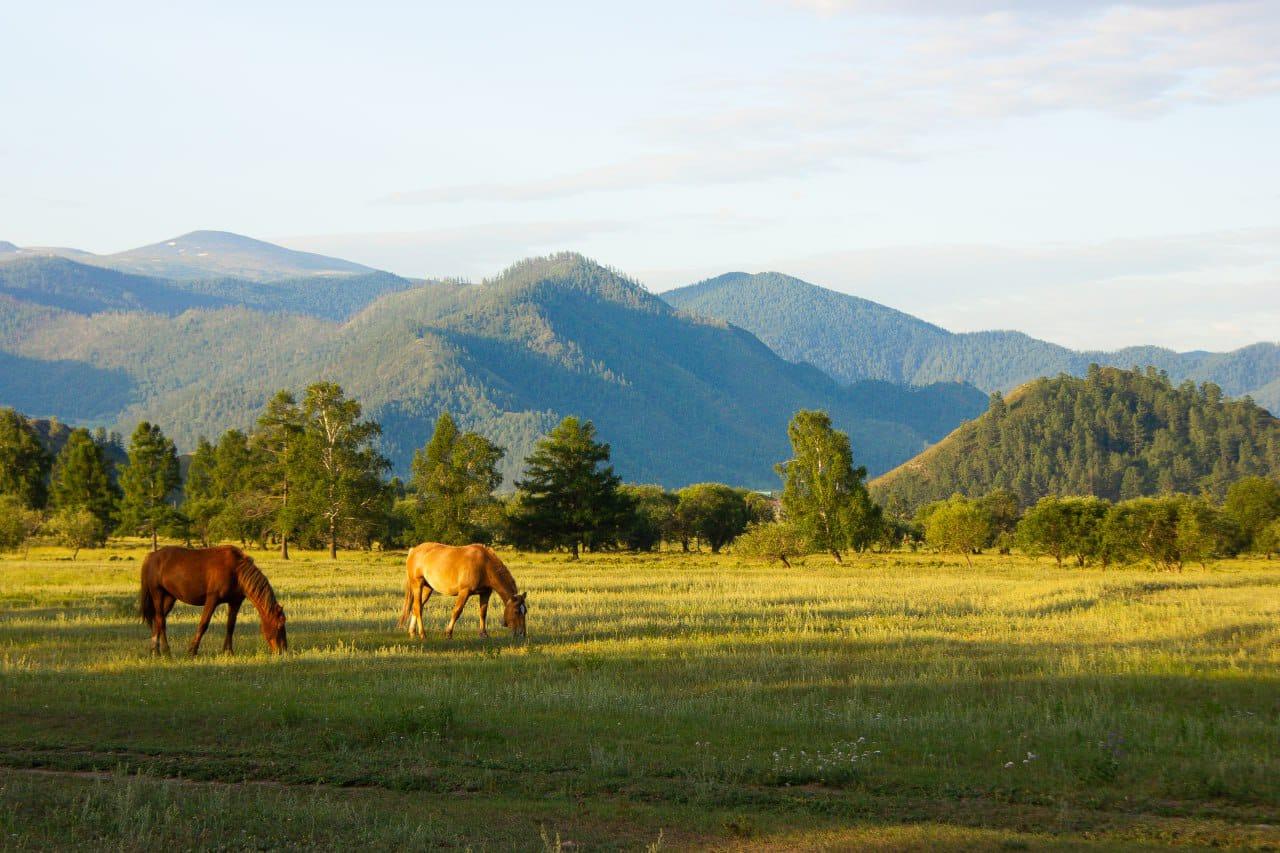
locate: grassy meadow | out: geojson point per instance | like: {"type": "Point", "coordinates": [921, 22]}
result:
{"type": "Point", "coordinates": [662, 701]}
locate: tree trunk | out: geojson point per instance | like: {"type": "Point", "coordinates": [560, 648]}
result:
{"type": "Point", "coordinates": [284, 547]}
{"type": "Point", "coordinates": [155, 544]}
{"type": "Point", "coordinates": [574, 550]}
{"type": "Point", "coordinates": [785, 561]}
{"type": "Point", "coordinates": [75, 553]}
{"type": "Point", "coordinates": [836, 554]}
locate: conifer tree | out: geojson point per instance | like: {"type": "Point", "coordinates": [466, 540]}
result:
{"type": "Point", "coordinates": [24, 463]}
{"type": "Point", "coordinates": [82, 479]}
{"type": "Point", "coordinates": [277, 443]}
{"type": "Point", "coordinates": [454, 476]}
{"type": "Point", "coordinates": [569, 496]}
{"type": "Point", "coordinates": [147, 482]}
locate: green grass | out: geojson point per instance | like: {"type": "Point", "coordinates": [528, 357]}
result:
{"type": "Point", "coordinates": [898, 701]}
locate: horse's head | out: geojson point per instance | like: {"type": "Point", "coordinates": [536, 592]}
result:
{"type": "Point", "coordinates": [273, 630]}
{"type": "Point", "coordinates": [513, 614]}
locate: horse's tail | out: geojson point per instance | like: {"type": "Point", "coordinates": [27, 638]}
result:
{"type": "Point", "coordinates": [146, 606]}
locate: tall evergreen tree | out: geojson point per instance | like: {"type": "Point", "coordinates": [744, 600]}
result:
{"type": "Point", "coordinates": [454, 476]}
{"type": "Point", "coordinates": [341, 468]}
{"type": "Point", "coordinates": [277, 441]}
{"type": "Point", "coordinates": [569, 496]}
{"type": "Point", "coordinates": [147, 482]}
{"type": "Point", "coordinates": [823, 495]}
{"type": "Point", "coordinates": [82, 479]}
{"type": "Point", "coordinates": [24, 463]}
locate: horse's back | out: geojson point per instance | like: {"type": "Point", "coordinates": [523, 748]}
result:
{"type": "Point", "coordinates": [189, 574]}
{"type": "Point", "coordinates": [449, 568]}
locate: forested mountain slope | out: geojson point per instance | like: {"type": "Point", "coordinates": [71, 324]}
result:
{"type": "Point", "coordinates": [1114, 433]}
{"type": "Point", "coordinates": [854, 339]}
{"type": "Point", "coordinates": [681, 399]}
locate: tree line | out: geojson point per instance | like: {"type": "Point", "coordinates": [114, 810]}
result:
{"type": "Point", "coordinates": [310, 473]}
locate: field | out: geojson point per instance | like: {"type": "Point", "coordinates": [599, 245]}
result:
{"type": "Point", "coordinates": [661, 702]}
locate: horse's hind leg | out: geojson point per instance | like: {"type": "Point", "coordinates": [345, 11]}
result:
{"type": "Point", "coordinates": [160, 640]}
{"type": "Point", "coordinates": [205, 615]}
{"type": "Point", "coordinates": [421, 595]}
{"type": "Point", "coordinates": [233, 608]}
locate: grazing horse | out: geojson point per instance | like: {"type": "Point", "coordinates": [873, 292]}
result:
{"type": "Point", "coordinates": [464, 571]}
{"type": "Point", "coordinates": [207, 577]}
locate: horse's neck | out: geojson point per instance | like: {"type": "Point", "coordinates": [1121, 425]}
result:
{"type": "Point", "coordinates": [256, 587]}
{"type": "Point", "coordinates": [501, 582]}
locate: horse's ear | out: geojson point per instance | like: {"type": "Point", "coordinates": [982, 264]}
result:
{"type": "Point", "coordinates": [520, 596]}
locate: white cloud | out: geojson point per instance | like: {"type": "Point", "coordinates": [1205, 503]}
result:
{"type": "Point", "coordinates": [913, 72]}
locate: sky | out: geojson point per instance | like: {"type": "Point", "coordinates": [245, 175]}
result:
{"type": "Point", "coordinates": [1091, 173]}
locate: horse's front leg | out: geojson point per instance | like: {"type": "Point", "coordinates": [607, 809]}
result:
{"type": "Point", "coordinates": [463, 595]}
{"type": "Point", "coordinates": [484, 610]}
{"type": "Point", "coordinates": [210, 605]}
{"type": "Point", "coordinates": [233, 608]}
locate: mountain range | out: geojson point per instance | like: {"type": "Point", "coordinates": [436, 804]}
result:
{"type": "Point", "coordinates": [853, 339]}
{"type": "Point", "coordinates": [196, 333]}
{"type": "Point", "coordinates": [680, 398]}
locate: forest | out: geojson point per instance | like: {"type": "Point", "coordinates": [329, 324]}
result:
{"type": "Point", "coordinates": [1117, 467]}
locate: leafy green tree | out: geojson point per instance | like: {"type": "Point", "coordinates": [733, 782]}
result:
{"type": "Point", "coordinates": [715, 513]}
{"type": "Point", "coordinates": [1252, 503]}
{"type": "Point", "coordinates": [454, 476]}
{"type": "Point", "coordinates": [148, 482]}
{"type": "Point", "coordinates": [569, 496]}
{"type": "Point", "coordinates": [773, 540]}
{"type": "Point", "coordinates": [277, 442]}
{"type": "Point", "coordinates": [341, 469]}
{"type": "Point", "coordinates": [651, 517]}
{"type": "Point", "coordinates": [957, 525]}
{"type": "Point", "coordinates": [82, 479]}
{"type": "Point", "coordinates": [823, 494]}
{"type": "Point", "coordinates": [1143, 527]}
{"type": "Point", "coordinates": [1203, 531]}
{"type": "Point", "coordinates": [24, 463]}
{"type": "Point", "coordinates": [76, 527]}
{"type": "Point", "coordinates": [1064, 527]}
{"type": "Point", "coordinates": [1004, 510]}
{"type": "Point", "coordinates": [18, 523]}
{"type": "Point", "coordinates": [1267, 541]}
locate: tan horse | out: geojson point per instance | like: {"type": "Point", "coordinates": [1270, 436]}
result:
{"type": "Point", "coordinates": [464, 571]}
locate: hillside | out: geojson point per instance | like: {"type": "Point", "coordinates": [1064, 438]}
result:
{"type": "Point", "coordinates": [681, 399]}
{"type": "Point", "coordinates": [854, 339]}
{"type": "Point", "coordinates": [88, 288]}
{"type": "Point", "coordinates": [1114, 433]}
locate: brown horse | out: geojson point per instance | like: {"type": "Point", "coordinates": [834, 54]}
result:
{"type": "Point", "coordinates": [464, 571]}
{"type": "Point", "coordinates": [207, 577]}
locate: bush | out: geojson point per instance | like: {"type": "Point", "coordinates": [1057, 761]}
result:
{"type": "Point", "coordinates": [773, 540]}
{"type": "Point", "coordinates": [76, 528]}
{"type": "Point", "coordinates": [957, 525]}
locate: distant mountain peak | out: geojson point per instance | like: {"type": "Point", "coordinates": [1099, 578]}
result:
{"type": "Point", "coordinates": [6, 247]}
{"type": "Point", "coordinates": [209, 253]}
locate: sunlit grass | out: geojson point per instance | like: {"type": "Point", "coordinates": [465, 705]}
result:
{"type": "Point", "coordinates": [707, 688]}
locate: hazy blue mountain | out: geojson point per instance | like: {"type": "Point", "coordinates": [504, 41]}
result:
{"type": "Point", "coordinates": [854, 339]}
{"type": "Point", "coordinates": [221, 254]}
{"type": "Point", "coordinates": [681, 399]}
{"type": "Point", "coordinates": [90, 289]}
{"type": "Point", "coordinates": [61, 283]}
{"type": "Point", "coordinates": [7, 248]}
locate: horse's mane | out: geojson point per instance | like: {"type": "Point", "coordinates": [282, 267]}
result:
{"type": "Point", "coordinates": [254, 583]}
{"type": "Point", "coordinates": [500, 569]}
